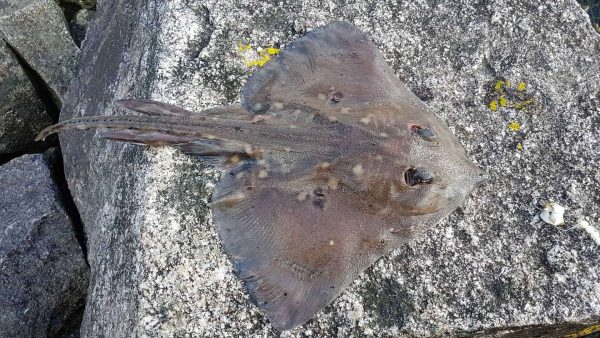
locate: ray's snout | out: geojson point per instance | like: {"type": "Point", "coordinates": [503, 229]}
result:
{"type": "Point", "coordinates": [472, 179]}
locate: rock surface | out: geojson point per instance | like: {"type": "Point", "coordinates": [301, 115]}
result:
{"type": "Point", "coordinates": [37, 31]}
{"type": "Point", "coordinates": [492, 267]}
{"type": "Point", "coordinates": [43, 274]}
{"type": "Point", "coordinates": [22, 114]}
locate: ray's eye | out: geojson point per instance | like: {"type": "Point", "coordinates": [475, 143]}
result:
{"type": "Point", "coordinates": [414, 176]}
{"type": "Point", "coordinates": [425, 133]}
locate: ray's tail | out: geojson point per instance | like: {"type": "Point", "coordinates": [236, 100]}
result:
{"type": "Point", "coordinates": [143, 123]}
{"type": "Point", "coordinates": [171, 125]}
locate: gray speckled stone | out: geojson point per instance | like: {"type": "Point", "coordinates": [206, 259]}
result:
{"type": "Point", "coordinates": [22, 114]}
{"type": "Point", "coordinates": [43, 275]}
{"type": "Point", "coordinates": [492, 267]}
{"type": "Point", "coordinates": [37, 32]}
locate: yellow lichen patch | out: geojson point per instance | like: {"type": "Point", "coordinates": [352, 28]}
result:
{"type": "Point", "coordinates": [502, 101]}
{"type": "Point", "coordinates": [520, 146]}
{"type": "Point", "coordinates": [244, 48]}
{"type": "Point", "coordinates": [514, 126]}
{"type": "Point", "coordinates": [272, 51]}
{"type": "Point", "coordinates": [498, 87]}
{"type": "Point", "coordinates": [502, 93]}
{"type": "Point", "coordinates": [584, 332]}
{"type": "Point", "coordinates": [257, 58]}
{"type": "Point", "coordinates": [523, 104]}
{"type": "Point", "coordinates": [257, 62]}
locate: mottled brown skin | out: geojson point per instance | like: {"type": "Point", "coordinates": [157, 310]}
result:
{"type": "Point", "coordinates": [329, 164]}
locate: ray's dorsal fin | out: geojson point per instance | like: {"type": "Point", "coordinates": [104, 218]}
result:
{"type": "Point", "coordinates": [157, 108]}
{"type": "Point", "coordinates": [334, 69]}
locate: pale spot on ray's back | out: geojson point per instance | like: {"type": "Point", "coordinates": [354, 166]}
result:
{"type": "Point", "coordinates": [332, 183]}
{"type": "Point", "coordinates": [302, 196]}
{"type": "Point", "coordinates": [263, 173]}
{"type": "Point", "coordinates": [324, 165]}
{"type": "Point", "coordinates": [234, 159]}
{"type": "Point", "coordinates": [358, 170]}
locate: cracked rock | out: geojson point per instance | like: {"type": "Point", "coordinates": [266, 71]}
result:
{"type": "Point", "coordinates": [37, 32]}
{"type": "Point", "coordinates": [43, 274]}
{"type": "Point", "coordinates": [22, 114]}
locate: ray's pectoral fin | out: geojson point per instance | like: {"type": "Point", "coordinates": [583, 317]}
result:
{"type": "Point", "coordinates": [296, 251]}
{"type": "Point", "coordinates": [333, 69]}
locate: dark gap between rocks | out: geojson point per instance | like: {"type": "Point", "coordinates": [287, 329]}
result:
{"type": "Point", "coordinates": [54, 158]}
{"type": "Point", "coordinates": [71, 326]}
{"type": "Point", "coordinates": [36, 148]}
{"type": "Point", "coordinates": [48, 97]}
{"type": "Point", "coordinates": [70, 10]}
{"type": "Point", "coordinates": [49, 100]}
{"type": "Point", "coordinates": [76, 30]}
{"type": "Point", "coordinates": [4, 158]}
